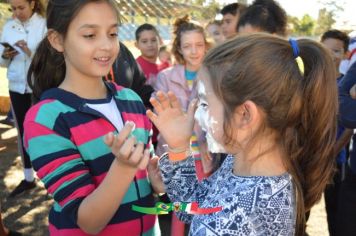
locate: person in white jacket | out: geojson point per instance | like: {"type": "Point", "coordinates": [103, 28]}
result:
{"type": "Point", "coordinates": [19, 40]}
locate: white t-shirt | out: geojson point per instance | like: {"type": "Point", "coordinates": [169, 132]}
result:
{"type": "Point", "coordinates": [110, 111]}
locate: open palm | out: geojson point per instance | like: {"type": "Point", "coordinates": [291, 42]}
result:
{"type": "Point", "coordinates": [173, 123]}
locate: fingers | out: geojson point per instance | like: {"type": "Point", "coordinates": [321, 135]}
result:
{"type": "Point", "coordinates": [8, 53]}
{"type": "Point", "coordinates": [109, 139]}
{"type": "Point", "coordinates": [136, 154]}
{"type": "Point", "coordinates": [21, 43]}
{"type": "Point", "coordinates": [132, 154]}
{"type": "Point", "coordinates": [156, 105]}
{"type": "Point", "coordinates": [125, 132]}
{"type": "Point", "coordinates": [12, 53]}
{"type": "Point", "coordinates": [163, 99]}
{"type": "Point", "coordinates": [153, 164]}
{"type": "Point", "coordinates": [144, 161]}
{"type": "Point", "coordinates": [191, 109]}
{"type": "Point", "coordinates": [174, 100]}
{"type": "Point", "coordinates": [125, 150]}
{"type": "Point", "coordinates": [152, 116]}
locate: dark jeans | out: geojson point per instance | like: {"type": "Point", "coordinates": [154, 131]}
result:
{"type": "Point", "coordinates": [346, 212]}
{"type": "Point", "coordinates": [331, 196]}
{"type": "Point", "coordinates": [21, 103]}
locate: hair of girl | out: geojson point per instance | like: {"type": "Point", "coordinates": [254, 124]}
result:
{"type": "Point", "coordinates": [144, 27]}
{"type": "Point", "coordinates": [181, 26]}
{"type": "Point", "coordinates": [213, 22]}
{"type": "Point", "coordinates": [47, 69]}
{"type": "Point", "coordinates": [266, 15]}
{"type": "Point", "coordinates": [262, 68]}
{"type": "Point", "coordinates": [40, 7]}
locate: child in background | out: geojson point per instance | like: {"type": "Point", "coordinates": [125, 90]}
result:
{"type": "Point", "coordinates": [346, 214]}
{"type": "Point", "coordinates": [165, 57]}
{"type": "Point", "coordinates": [231, 14]}
{"type": "Point", "coordinates": [23, 32]}
{"type": "Point", "coordinates": [148, 41]}
{"type": "Point", "coordinates": [80, 136]}
{"type": "Point", "coordinates": [337, 42]}
{"type": "Point", "coordinates": [263, 16]}
{"type": "Point", "coordinates": [272, 121]}
{"type": "Point", "coordinates": [214, 31]}
{"type": "Point", "coordinates": [189, 48]}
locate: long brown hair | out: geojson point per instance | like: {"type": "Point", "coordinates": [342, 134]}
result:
{"type": "Point", "coordinates": [40, 7]}
{"type": "Point", "coordinates": [300, 107]}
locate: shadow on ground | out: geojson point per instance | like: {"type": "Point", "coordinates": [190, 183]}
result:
{"type": "Point", "coordinates": [28, 212]}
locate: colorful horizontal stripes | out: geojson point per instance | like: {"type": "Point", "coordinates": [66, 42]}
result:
{"type": "Point", "coordinates": [65, 141]}
{"type": "Point", "coordinates": [128, 228]}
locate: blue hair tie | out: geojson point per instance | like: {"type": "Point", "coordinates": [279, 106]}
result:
{"type": "Point", "coordinates": [296, 56]}
{"type": "Point", "coordinates": [295, 47]}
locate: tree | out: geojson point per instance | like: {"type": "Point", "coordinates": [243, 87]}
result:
{"type": "Point", "coordinates": [209, 11]}
{"type": "Point", "coordinates": [304, 26]}
{"type": "Point", "coordinates": [328, 14]}
{"type": "Point", "coordinates": [293, 24]}
{"type": "Point", "coordinates": [325, 21]}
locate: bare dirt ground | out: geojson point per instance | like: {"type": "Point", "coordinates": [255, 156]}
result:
{"type": "Point", "coordinates": [27, 212]}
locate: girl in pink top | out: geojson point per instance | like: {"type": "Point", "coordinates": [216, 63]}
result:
{"type": "Point", "coordinates": [189, 48]}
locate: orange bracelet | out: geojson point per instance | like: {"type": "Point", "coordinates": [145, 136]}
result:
{"type": "Point", "coordinates": [178, 155]}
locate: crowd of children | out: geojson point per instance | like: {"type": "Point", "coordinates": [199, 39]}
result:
{"type": "Point", "coordinates": [264, 106]}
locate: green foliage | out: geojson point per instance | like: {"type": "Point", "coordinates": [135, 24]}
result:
{"type": "Point", "coordinates": [302, 27]}
{"type": "Point", "coordinates": [208, 11]}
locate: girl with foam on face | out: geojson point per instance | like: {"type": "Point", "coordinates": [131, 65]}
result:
{"type": "Point", "coordinates": [88, 139]}
{"type": "Point", "coordinates": [263, 100]}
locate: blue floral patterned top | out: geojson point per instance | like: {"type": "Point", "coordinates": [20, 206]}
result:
{"type": "Point", "coordinates": [254, 205]}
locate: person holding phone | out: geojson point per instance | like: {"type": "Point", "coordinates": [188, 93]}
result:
{"type": "Point", "coordinates": [20, 37]}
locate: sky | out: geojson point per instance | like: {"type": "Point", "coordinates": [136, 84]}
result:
{"type": "Point", "coordinates": [299, 8]}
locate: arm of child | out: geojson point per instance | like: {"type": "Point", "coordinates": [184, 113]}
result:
{"type": "Point", "coordinates": [343, 140]}
{"type": "Point", "coordinates": [176, 128]}
{"type": "Point", "coordinates": [347, 107]}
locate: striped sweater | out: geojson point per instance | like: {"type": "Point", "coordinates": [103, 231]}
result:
{"type": "Point", "coordinates": [64, 138]}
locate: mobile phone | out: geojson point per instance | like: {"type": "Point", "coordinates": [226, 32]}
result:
{"type": "Point", "coordinates": [8, 46]}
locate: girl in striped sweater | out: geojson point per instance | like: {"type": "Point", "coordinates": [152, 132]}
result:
{"type": "Point", "coordinates": [88, 140]}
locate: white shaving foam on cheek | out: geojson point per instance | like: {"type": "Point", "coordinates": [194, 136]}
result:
{"type": "Point", "coordinates": [213, 145]}
{"type": "Point", "coordinates": [199, 116]}
{"type": "Point", "coordinates": [208, 124]}
{"type": "Point", "coordinates": [201, 88]}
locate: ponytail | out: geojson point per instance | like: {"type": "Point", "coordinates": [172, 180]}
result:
{"type": "Point", "coordinates": [310, 144]}
{"type": "Point", "coordinates": [47, 69]}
